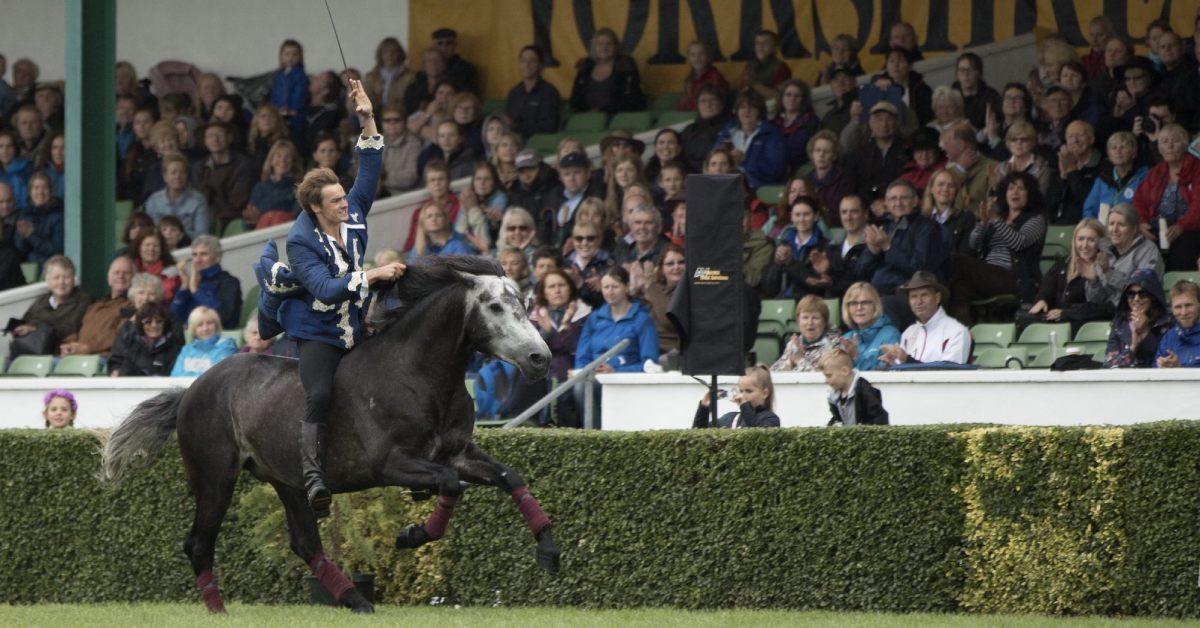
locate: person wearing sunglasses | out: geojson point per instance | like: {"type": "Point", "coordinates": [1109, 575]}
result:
{"type": "Point", "coordinates": [587, 262]}
{"type": "Point", "coordinates": [1139, 325]}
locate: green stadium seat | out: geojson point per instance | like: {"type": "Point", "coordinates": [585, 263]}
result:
{"type": "Point", "coordinates": [493, 106]}
{"type": "Point", "coordinates": [836, 235]}
{"type": "Point", "coordinates": [1094, 349]}
{"type": "Point", "coordinates": [233, 228]}
{"type": "Point", "coordinates": [235, 335]}
{"type": "Point", "coordinates": [1045, 265]}
{"type": "Point", "coordinates": [1174, 277]}
{"type": "Point", "coordinates": [80, 365]}
{"type": "Point", "coordinates": [835, 312]}
{"type": "Point", "coordinates": [590, 138]}
{"type": "Point", "coordinates": [671, 118]}
{"type": "Point", "coordinates": [770, 194]}
{"type": "Point", "coordinates": [30, 270]}
{"type": "Point", "coordinates": [1095, 331]}
{"type": "Point", "coordinates": [994, 334]}
{"type": "Point", "coordinates": [633, 121]}
{"type": "Point", "coordinates": [470, 384]}
{"type": "Point", "coordinates": [1045, 357]}
{"type": "Point", "coordinates": [766, 349]}
{"type": "Point", "coordinates": [1038, 338]}
{"type": "Point", "coordinates": [249, 305]}
{"type": "Point", "coordinates": [775, 316]}
{"type": "Point", "coordinates": [586, 121]}
{"type": "Point", "coordinates": [1046, 333]}
{"type": "Point", "coordinates": [544, 143]}
{"type": "Point", "coordinates": [1001, 358]}
{"type": "Point", "coordinates": [667, 102]}
{"type": "Point", "coordinates": [1060, 235]}
{"type": "Point", "coordinates": [30, 366]}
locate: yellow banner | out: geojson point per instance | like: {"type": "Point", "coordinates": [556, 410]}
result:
{"type": "Point", "coordinates": [656, 32]}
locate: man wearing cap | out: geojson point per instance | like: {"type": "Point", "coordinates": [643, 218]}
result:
{"type": "Point", "coordinates": [535, 180]}
{"type": "Point", "coordinates": [879, 161]}
{"type": "Point", "coordinates": [963, 156]}
{"type": "Point", "coordinates": [533, 105]}
{"type": "Point", "coordinates": [935, 337]}
{"type": "Point", "coordinates": [909, 243]}
{"type": "Point", "coordinates": [558, 214]}
{"type": "Point", "coordinates": [460, 72]}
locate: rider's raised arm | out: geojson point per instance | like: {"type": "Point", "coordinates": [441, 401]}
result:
{"type": "Point", "coordinates": [369, 149]}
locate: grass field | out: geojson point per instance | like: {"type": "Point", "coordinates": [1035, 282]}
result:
{"type": "Point", "coordinates": [169, 615]}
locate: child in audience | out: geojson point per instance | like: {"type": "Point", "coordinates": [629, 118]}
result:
{"type": "Point", "coordinates": [852, 399]}
{"type": "Point", "coordinates": [59, 410]}
{"type": "Point", "coordinates": [755, 397]}
{"type": "Point", "coordinates": [670, 181]}
{"type": "Point", "coordinates": [289, 87]}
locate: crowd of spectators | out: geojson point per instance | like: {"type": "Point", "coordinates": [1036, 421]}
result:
{"type": "Point", "coordinates": [907, 201]}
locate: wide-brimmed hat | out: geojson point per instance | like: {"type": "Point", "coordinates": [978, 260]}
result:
{"type": "Point", "coordinates": [621, 135]}
{"type": "Point", "coordinates": [923, 279]}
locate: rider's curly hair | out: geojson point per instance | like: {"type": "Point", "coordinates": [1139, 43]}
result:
{"type": "Point", "coordinates": [308, 193]}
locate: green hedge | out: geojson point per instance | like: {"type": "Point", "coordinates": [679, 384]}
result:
{"type": "Point", "coordinates": [947, 518]}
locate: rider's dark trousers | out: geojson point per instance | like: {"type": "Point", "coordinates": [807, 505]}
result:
{"type": "Point", "coordinates": [318, 363]}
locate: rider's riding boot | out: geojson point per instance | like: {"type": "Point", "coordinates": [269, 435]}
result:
{"type": "Point", "coordinates": [312, 464]}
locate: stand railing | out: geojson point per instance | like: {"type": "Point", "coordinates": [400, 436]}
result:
{"type": "Point", "coordinates": [589, 400]}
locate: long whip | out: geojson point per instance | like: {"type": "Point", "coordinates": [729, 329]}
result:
{"type": "Point", "coordinates": [345, 68]}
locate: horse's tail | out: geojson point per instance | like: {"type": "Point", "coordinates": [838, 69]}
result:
{"type": "Point", "coordinates": [141, 434]}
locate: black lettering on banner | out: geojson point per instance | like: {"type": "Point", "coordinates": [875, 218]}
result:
{"type": "Point", "coordinates": [751, 22]}
{"type": "Point", "coordinates": [820, 44]}
{"type": "Point", "coordinates": [889, 14]}
{"type": "Point", "coordinates": [1068, 22]}
{"type": "Point", "coordinates": [866, 15]}
{"type": "Point", "coordinates": [635, 23]}
{"type": "Point", "coordinates": [542, 11]}
{"type": "Point", "coordinates": [1118, 11]}
{"type": "Point", "coordinates": [982, 31]}
{"type": "Point", "coordinates": [668, 31]}
{"type": "Point", "coordinates": [1024, 16]}
{"type": "Point", "coordinates": [937, 29]}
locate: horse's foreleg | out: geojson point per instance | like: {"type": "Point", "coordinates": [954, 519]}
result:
{"type": "Point", "coordinates": [421, 475]}
{"type": "Point", "coordinates": [305, 541]}
{"type": "Point", "coordinates": [478, 467]}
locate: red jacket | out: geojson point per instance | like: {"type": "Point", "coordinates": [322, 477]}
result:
{"type": "Point", "coordinates": [1149, 193]}
{"type": "Point", "coordinates": [691, 87]}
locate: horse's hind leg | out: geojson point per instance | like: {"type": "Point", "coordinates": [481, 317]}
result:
{"type": "Point", "coordinates": [213, 487]}
{"type": "Point", "coordinates": [306, 543]}
{"type": "Point", "coordinates": [476, 466]}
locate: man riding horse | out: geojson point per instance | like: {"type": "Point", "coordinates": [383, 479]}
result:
{"type": "Point", "coordinates": [320, 301]}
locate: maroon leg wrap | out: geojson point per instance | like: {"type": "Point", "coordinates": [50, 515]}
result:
{"type": "Point", "coordinates": [329, 576]}
{"type": "Point", "coordinates": [436, 525]}
{"type": "Point", "coordinates": [210, 593]}
{"type": "Point", "coordinates": [530, 509]}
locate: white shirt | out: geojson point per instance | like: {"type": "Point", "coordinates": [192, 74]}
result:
{"type": "Point", "coordinates": [942, 339]}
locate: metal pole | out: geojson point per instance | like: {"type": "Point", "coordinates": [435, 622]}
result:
{"type": "Point", "coordinates": [91, 139]}
{"type": "Point", "coordinates": [712, 402]}
{"type": "Point", "coordinates": [567, 385]}
{"type": "Point", "coordinates": [589, 403]}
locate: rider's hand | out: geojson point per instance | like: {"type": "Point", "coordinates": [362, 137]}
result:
{"type": "Point", "coordinates": [387, 272]}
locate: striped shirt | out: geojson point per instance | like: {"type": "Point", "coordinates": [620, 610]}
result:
{"type": "Point", "coordinates": [999, 243]}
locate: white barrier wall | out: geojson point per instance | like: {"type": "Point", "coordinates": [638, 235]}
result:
{"type": "Point", "coordinates": [1030, 397]}
{"type": "Point", "coordinates": [668, 401]}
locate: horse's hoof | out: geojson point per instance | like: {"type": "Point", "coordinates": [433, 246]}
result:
{"type": "Point", "coordinates": [357, 603]}
{"type": "Point", "coordinates": [412, 537]}
{"type": "Point", "coordinates": [547, 552]}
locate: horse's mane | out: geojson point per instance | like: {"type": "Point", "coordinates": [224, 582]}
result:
{"type": "Point", "coordinates": [429, 278]}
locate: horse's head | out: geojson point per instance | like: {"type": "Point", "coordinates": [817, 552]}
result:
{"type": "Point", "coordinates": [498, 325]}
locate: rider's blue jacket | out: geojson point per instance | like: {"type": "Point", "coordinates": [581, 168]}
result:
{"type": "Point", "coordinates": [324, 291]}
